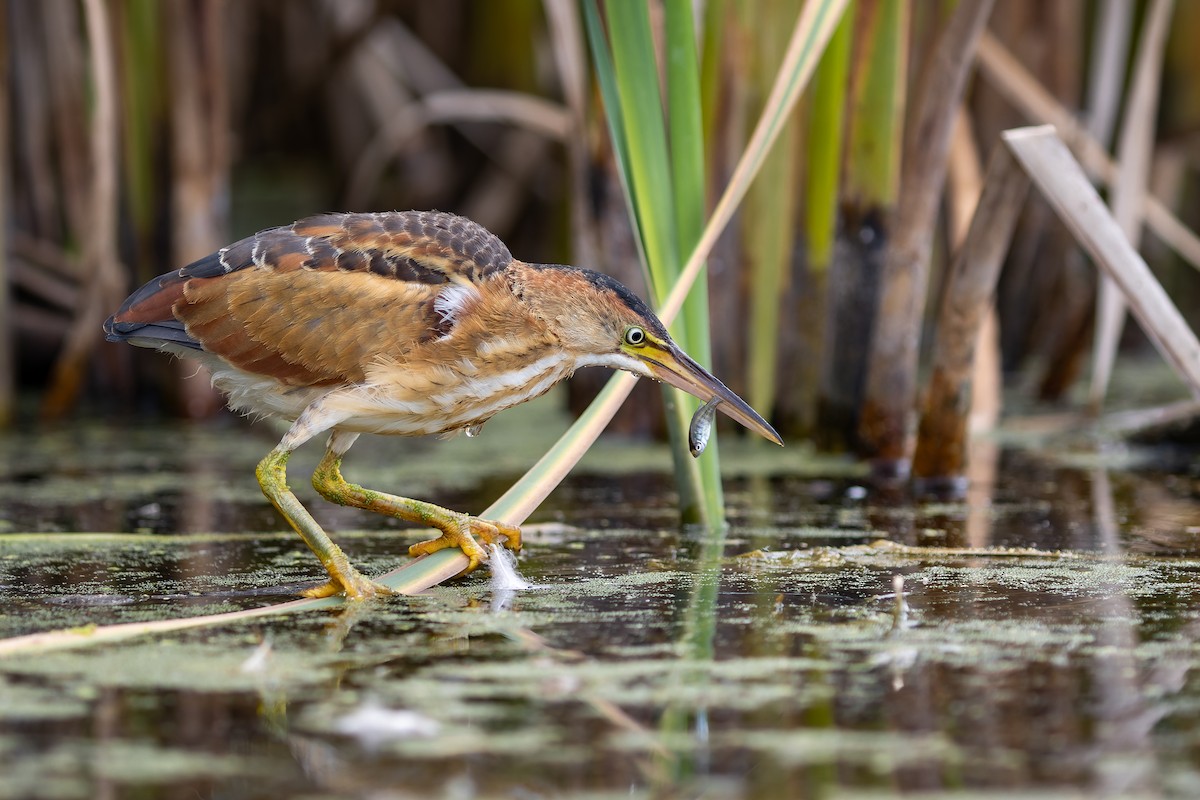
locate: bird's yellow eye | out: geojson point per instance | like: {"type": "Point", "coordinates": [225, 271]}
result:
{"type": "Point", "coordinates": [635, 336]}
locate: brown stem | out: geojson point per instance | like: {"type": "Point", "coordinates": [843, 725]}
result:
{"type": "Point", "coordinates": [891, 373]}
{"type": "Point", "coordinates": [104, 276]}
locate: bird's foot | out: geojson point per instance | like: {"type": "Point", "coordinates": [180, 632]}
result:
{"type": "Point", "coordinates": [462, 535]}
{"type": "Point", "coordinates": [352, 583]}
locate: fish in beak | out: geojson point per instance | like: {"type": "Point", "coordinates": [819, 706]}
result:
{"type": "Point", "coordinates": [669, 364]}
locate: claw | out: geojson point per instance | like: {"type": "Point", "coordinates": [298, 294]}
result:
{"type": "Point", "coordinates": [463, 537]}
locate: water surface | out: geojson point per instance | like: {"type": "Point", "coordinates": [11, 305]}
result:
{"type": "Point", "coordinates": [1044, 640]}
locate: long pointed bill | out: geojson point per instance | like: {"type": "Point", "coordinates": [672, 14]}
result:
{"type": "Point", "coordinates": [676, 367]}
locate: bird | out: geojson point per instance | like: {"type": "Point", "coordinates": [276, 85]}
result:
{"type": "Point", "coordinates": [405, 323]}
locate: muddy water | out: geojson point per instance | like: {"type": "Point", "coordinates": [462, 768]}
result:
{"type": "Point", "coordinates": [1044, 637]}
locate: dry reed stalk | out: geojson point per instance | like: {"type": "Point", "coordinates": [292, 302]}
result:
{"type": "Point", "coordinates": [407, 89]}
{"type": "Point", "coordinates": [891, 374]}
{"type": "Point", "coordinates": [7, 330]}
{"type": "Point", "coordinates": [964, 185]}
{"type": "Point", "coordinates": [41, 283]}
{"type": "Point", "coordinates": [200, 157]}
{"type": "Point", "coordinates": [570, 57]}
{"type": "Point", "coordinates": [941, 451]}
{"type": "Point", "coordinates": [1023, 90]}
{"type": "Point", "coordinates": [66, 81]}
{"type": "Point", "coordinates": [1046, 289]}
{"type": "Point", "coordinates": [456, 106]}
{"type": "Point", "coordinates": [34, 196]}
{"type": "Point", "coordinates": [105, 277]}
{"type": "Point", "coordinates": [59, 639]}
{"type": "Point", "coordinates": [1106, 66]}
{"type": "Point", "coordinates": [1139, 420]}
{"type": "Point", "coordinates": [1134, 155]}
{"type": "Point", "coordinates": [1062, 181]}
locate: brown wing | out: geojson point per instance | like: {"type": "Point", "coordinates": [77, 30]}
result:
{"type": "Point", "coordinates": [316, 302]}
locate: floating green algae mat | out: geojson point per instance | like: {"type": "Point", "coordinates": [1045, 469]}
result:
{"type": "Point", "coordinates": [1058, 659]}
{"type": "Point", "coordinates": [810, 673]}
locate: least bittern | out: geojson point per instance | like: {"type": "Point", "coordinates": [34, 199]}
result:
{"type": "Point", "coordinates": [398, 323]}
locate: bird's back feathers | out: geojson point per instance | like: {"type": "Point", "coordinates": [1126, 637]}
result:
{"type": "Point", "coordinates": [311, 303]}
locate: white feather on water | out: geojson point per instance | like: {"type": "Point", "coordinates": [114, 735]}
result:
{"type": "Point", "coordinates": [504, 571]}
{"type": "Point", "coordinates": [506, 581]}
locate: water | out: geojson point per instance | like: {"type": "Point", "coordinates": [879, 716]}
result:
{"type": "Point", "coordinates": [646, 661]}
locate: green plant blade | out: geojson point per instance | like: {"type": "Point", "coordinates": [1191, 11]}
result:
{"type": "Point", "coordinates": [825, 147]}
{"type": "Point", "coordinates": [813, 30]}
{"type": "Point", "coordinates": [689, 182]}
{"type": "Point", "coordinates": [872, 174]}
{"type": "Point", "coordinates": [650, 175]}
{"type": "Point", "coordinates": [768, 224]}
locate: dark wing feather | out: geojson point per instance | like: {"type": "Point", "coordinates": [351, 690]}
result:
{"type": "Point", "coordinates": [422, 246]}
{"type": "Point", "coordinates": [315, 302]}
{"type": "Point", "coordinates": [146, 317]}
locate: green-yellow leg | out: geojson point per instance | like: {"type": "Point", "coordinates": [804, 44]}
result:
{"type": "Point", "coordinates": [272, 477]}
{"type": "Point", "coordinates": [458, 529]}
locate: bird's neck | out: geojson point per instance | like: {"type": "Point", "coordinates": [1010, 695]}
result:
{"type": "Point", "coordinates": [562, 301]}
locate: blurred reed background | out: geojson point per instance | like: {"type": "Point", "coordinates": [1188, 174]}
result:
{"type": "Point", "coordinates": [141, 134]}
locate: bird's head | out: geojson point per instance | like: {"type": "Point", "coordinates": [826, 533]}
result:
{"type": "Point", "coordinates": [604, 324]}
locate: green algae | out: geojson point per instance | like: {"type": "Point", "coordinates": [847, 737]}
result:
{"type": "Point", "coordinates": [499, 694]}
{"type": "Point", "coordinates": [636, 666]}
{"type": "Point", "coordinates": [166, 664]}
{"type": "Point", "coordinates": [881, 752]}
{"type": "Point", "coordinates": [73, 769]}
{"type": "Point", "coordinates": [32, 702]}
{"type": "Point", "coordinates": [128, 762]}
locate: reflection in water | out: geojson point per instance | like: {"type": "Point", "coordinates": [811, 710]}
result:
{"type": "Point", "coordinates": [1125, 760]}
{"type": "Point", "coordinates": [982, 464]}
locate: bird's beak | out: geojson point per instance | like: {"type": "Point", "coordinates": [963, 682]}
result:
{"type": "Point", "coordinates": [671, 365]}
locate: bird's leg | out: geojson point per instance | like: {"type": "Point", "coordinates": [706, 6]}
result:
{"type": "Point", "coordinates": [343, 576]}
{"type": "Point", "coordinates": [272, 477]}
{"type": "Point", "coordinates": [458, 529]}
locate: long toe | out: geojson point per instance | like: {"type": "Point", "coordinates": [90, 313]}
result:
{"type": "Point", "coordinates": [462, 533]}
{"type": "Point", "coordinates": [491, 531]}
{"type": "Point", "coordinates": [326, 589]}
{"type": "Point", "coordinates": [459, 538]}
{"type": "Point", "coordinates": [355, 587]}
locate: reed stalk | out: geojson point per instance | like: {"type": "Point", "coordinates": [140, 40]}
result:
{"type": "Point", "coordinates": [200, 153]}
{"type": "Point", "coordinates": [105, 277]}
{"type": "Point", "coordinates": [1062, 181]}
{"type": "Point", "coordinates": [890, 394]}
{"type": "Point", "coordinates": [826, 124]}
{"type": "Point", "coordinates": [1134, 152]}
{"type": "Point", "coordinates": [1019, 86]}
{"type": "Point", "coordinates": [768, 227]}
{"type": "Point", "coordinates": [690, 185]}
{"type": "Point", "coordinates": [662, 170]}
{"type": "Point", "coordinates": [7, 329]}
{"type": "Point", "coordinates": [940, 459]}
{"type": "Point", "coordinates": [868, 192]}
{"type": "Point", "coordinates": [141, 84]}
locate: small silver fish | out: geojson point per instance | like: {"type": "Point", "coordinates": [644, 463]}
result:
{"type": "Point", "coordinates": [701, 427]}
